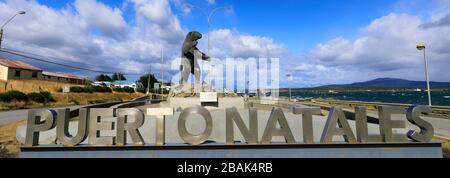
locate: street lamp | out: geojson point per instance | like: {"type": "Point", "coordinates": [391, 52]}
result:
{"type": "Point", "coordinates": [421, 47]}
{"type": "Point", "coordinates": [289, 78]}
{"type": "Point", "coordinates": [9, 20]}
{"type": "Point", "coordinates": [208, 18]}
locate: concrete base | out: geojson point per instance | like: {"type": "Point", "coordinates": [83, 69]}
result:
{"type": "Point", "coordinates": [382, 150]}
{"type": "Point", "coordinates": [185, 102]}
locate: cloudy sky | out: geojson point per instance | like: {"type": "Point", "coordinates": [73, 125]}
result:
{"type": "Point", "coordinates": [318, 41]}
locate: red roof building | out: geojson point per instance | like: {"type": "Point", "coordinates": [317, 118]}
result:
{"type": "Point", "coordinates": [18, 70]}
{"type": "Point", "coordinates": [18, 65]}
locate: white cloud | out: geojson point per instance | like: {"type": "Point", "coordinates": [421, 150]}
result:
{"type": "Point", "coordinates": [155, 18]}
{"type": "Point", "coordinates": [93, 33]}
{"type": "Point", "coordinates": [108, 20]}
{"type": "Point", "coordinates": [230, 43]}
{"type": "Point", "coordinates": [211, 2]}
{"type": "Point", "coordinates": [386, 49]}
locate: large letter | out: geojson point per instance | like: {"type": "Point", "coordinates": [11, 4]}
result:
{"type": "Point", "coordinates": [426, 129]}
{"type": "Point", "coordinates": [185, 135]}
{"type": "Point", "coordinates": [307, 123]}
{"type": "Point", "coordinates": [277, 116]}
{"type": "Point", "coordinates": [337, 116]}
{"type": "Point", "coordinates": [386, 124]}
{"type": "Point", "coordinates": [96, 125]}
{"type": "Point", "coordinates": [38, 121]}
{"type": "Point", "coordinates": [62, 129]}
{"type": "Point", "coordinates": [160, 114]}
{"type": "Point", "coordinates": [251, 134]}
{"type": "Point", "coordinates": [362, 133]}
{"type": "Point", "coordinates": [123, 126]}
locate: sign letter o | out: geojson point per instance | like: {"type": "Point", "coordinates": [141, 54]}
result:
{"type": "Point", "coordinates": [185, 135]}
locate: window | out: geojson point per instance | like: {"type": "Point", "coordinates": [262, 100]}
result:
{"type": "Point", "coordinates": [59, 78]}
{"type": "Point", "coordinates": [34, 75]}
{"type": "Point", "coordinates": [17, 74]}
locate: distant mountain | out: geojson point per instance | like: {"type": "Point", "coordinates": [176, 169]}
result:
{"type": "Point", "coordinates": [387, 83]}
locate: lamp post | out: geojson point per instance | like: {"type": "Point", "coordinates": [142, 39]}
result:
{"type": "Point", "coordinates": [208, 17]}
{"type": "Point", "coordinates": [421, 47]}
{"type": "Point", "coordinates": [9, 20]}
{"type": "Point", "coordinates": [289, 78]}
{"type": "Point", "coordinates": [162, 73]}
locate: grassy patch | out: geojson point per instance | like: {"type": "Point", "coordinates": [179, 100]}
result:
{"type": "Point", "coordinates": [67, 99]}
{"type": "Point", "coordinates": [28, 86]}
{"type": "Point", "coordinates": [9, 147]}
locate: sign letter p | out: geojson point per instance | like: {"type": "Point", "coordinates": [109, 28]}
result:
{"type": "Point", "coordinates": [38, 121]}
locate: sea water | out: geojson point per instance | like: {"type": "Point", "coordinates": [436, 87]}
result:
{"type": "Point", "coordinates": [440, 98]}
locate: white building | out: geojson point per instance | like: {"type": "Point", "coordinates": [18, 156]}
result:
{"type": "Point", "coordinates": [123, 84]}
{"type": "Point", "coordinates": [101, 83]}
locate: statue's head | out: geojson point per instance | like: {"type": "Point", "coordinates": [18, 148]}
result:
{"type": "Point", "coordinates": [194, 35]}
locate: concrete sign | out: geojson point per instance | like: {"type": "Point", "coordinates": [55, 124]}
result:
{"type": "Point", "coordinates": [66, 89]}
{"type": "Point", "coordinates": [208, 97]}
{"type": "Point", "coordinates": [91, 122]}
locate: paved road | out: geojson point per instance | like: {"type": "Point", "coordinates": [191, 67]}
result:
{"type": "Point", "coordinates": [441, 126]}
{"type": "Point", "coordinates": [18, 115]}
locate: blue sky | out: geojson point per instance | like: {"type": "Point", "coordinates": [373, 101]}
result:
{"type": "Point", "coordinates": [299, 24]}
{"type": "Point", "coordinates": [318, 41]}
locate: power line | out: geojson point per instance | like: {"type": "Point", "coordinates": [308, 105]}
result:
{"type": "Point", "coordinates": [59, 59]}
{"type": "Point", "coordinates": [60, 64]}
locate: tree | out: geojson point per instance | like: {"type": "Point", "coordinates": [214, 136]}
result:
{"type": "Point", "coordinates": [118, 77]}
{"type": "Point", "coordinates": [103, 78]}
{"type": "Point", "coordinates": [144, 80]}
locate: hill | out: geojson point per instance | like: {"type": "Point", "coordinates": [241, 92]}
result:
{"type": "Point", "coordinates": [386, 83]}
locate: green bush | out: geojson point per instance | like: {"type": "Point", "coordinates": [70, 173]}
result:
{"type": "Point", "coordinates": [101, 89]}
{"type": "Point", "coordinates": [77, 89]}
{"type": "Point", "coordinates": [90, 89]}
{"type": "Point", "coordinates": [13, 95]}
{"type": "Point", "coordinates": [41, 97]}
{"type": "Point", "coordinates": [141, 90]}
{"type": "Point", "coordinates": [124, 89]}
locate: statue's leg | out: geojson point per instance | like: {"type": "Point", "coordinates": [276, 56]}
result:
{"type": "Point", "coordinates": [197, 72]}
{"type": "Point", "coordinates": [185, 72]}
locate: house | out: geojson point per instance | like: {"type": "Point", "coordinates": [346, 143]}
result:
{"type": "Point", "coordinates": [62, 77]}
{"type": "Point", "coordinates": [18, 70]}
{"type": "Point", "coordinates": [123, 84]}
{"type": "Point", "coordinates": [102, 84]}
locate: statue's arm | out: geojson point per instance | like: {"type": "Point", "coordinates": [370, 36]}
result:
{"type": "Point", "coordinates": [189, 47]}
{"type": "Point", "coordinates": [204, 56]}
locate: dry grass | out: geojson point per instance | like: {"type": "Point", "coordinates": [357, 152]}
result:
{"type": "Point", "coordinates": [66, 99]}
{"type": "Point", "coordinates": [445, 145]}
{"type": "Point", "coordinates": [9, 147]}
{"type": "Point", "coordinates": [446, 149]}
{"type": "Point", "coordinates": [28, 86]}
{"type": "Point", "coordinates": [63, 99]}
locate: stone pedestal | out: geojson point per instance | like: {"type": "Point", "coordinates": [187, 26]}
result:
{"type": "Point", "coordinates": [190, 89]}
{"type": "Point", "coordinates": [222, 102]}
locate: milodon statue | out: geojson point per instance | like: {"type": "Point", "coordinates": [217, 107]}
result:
{"type": "Point", "coordinates": [189, 55]}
